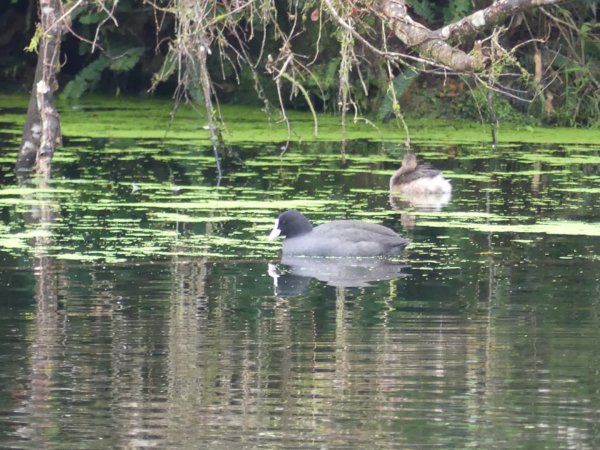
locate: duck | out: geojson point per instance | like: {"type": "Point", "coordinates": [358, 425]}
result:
{"type": "Point", "coordinates": [339, 238]}
{"type": "Point", "coordinates": [413, 179]}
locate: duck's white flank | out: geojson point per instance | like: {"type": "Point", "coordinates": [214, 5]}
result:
{"type": "Point", "coordinates": [426, 185]}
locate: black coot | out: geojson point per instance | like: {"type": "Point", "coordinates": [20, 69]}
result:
{"type": "Point", "coordinates": [349, 238]}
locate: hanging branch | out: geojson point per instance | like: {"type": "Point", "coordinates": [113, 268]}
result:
{"type": "Point", "coordinates": [215, 133]}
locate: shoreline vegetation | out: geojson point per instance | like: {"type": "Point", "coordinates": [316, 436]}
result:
{"type": "Point", "coordinates": [79, 119]}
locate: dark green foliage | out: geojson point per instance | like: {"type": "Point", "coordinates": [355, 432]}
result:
{"type": "Point", "coordinates": [118, 50]}
{"type": "Point", "coordinates": [167, 69]}
{"type": "Point", "coordinates": [126, 60]}
{"type": "Point", "coordinates": [423, 9]}
{"type": "Point", "coordinates": [134, 56]}
{"type": "Point", "coordinates": [86, 79]}
{"type": "Point", "coordinates": [573, 56]}
{"type": "Point", "coordinates": [457, 9]}
{"type": "Point", "coordinates": [436, 13]}
{"type": "Point", "coordinates": [400, 84]}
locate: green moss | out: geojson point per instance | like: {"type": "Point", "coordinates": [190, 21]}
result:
{"type": "Point", "coordinates": [121, 118]}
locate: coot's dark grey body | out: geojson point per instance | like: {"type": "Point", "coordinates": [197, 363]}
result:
{"type": "Point", "coordinates": [340, 238]}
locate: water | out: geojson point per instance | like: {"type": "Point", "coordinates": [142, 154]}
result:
{"type": "Point", "coordinates": [139, 307]}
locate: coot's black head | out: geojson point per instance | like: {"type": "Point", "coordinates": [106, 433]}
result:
{"type": "Point", "coordinates": [290, 224]}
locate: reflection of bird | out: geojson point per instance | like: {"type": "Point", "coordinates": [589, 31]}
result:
{"type": "Point", "coordinates": [346, 238]}
{"type": "Point", "coordinates": [421, 202]}
{"type": "Point", "coordinates": [287, 284]}
{"type": "Point", "coordinates": [411, 178]}
{"type": "Point", "coordinates": [293, 275]}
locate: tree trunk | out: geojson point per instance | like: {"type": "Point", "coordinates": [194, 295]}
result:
{"type": "Point", "coordinates": [41, 134]}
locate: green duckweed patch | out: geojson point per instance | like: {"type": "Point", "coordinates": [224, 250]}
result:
{"type": "Point", "coordinates": [570, 228]}
{"type": "Point", "coordinates": [128, 187]}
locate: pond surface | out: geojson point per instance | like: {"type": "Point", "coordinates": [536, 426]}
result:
{"type": "Point", "coordinates": [142, 305]}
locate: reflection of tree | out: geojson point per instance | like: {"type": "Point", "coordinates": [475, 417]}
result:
{"type": "Point", "coordinates": [191, 374]}
{"type": "Point", "coordinates": [341, 342]}
{"type": "Point", "coordinates": [48, 328]}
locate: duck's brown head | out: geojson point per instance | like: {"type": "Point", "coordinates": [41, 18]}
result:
{"type": "Point", "coordinates": [405, 172]}
{"type": "Point", "coordinates": [409, 162]}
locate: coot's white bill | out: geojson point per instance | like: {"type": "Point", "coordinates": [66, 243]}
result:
{"type": "Point", "coordinates": [275, 231]}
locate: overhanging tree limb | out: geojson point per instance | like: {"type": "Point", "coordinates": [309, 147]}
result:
{"type": "Point", "coordinates": [433, 45]}
{"type": "Point", "coordinates": [484, 18]}
{"type": "Point", "coordinates": [422, 39]}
